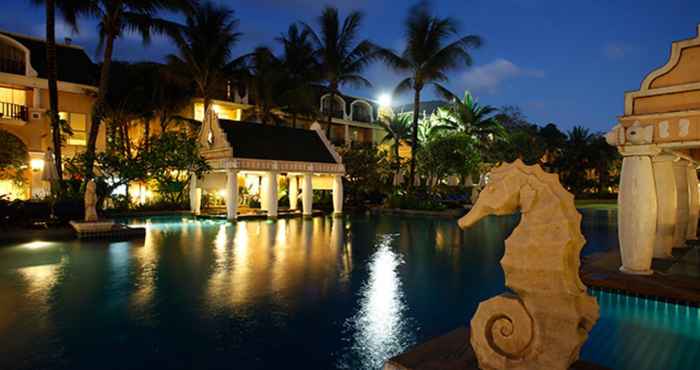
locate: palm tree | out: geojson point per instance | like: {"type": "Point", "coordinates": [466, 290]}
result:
{"type": "Point", "coordinates": [301, 69]}
{"type": "Point", "coordinates": [204, 48]}
{"type": "Point", "coordinates": [341, 59]}
{"type": "Point", "coordinates": [575, 159]}
{"type": "Point", "coordinates": [397, 130]}
{"type": "Point", "coordinates": [117, 18]}
{"type": "Point", "coordinates": [69, 11]}
{"type": "Point", "coordinates": [427, 58]}
{"type": "Point", "coordinates": [266, 79]}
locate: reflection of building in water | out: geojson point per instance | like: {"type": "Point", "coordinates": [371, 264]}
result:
{"type": "Point", "coordinates": [381, 328]}
{"type": "Point", "coordinates": [277, 261]}
{"type": "Point", "coordinates": [145, 260]}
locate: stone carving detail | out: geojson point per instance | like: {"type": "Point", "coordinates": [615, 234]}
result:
{"type": "Point", "coordinates": [636, 134]}
{"type": "Point", "coordinates": [545, 324]}
{"type": "Point", "coordinates": [90, 202]}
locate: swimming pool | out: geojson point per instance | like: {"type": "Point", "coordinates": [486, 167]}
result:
{"type": "Point", "coordinates": [315, 294]}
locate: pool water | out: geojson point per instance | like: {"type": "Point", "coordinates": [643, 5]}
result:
{"type": "Point", "coordinates": [297, 294]}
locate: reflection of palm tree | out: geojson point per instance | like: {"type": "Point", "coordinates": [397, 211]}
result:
{"type": "Point", "coordinates": [204, 48]}
{"type": "Point", "coordinates": [116, 17]}
{"type": "Point", "coordinates": [427, 57]}
{"type": "Point", "coordinates": [398, 130]}
{"type": "Point", "coordinates": [341, 59]}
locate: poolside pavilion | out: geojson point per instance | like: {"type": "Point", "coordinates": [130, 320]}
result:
{"type": "Point", "coordinates": [659, 139]}
{"type": "Point", "coordinates": [239, 152]}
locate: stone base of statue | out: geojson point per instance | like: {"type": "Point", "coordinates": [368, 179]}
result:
{"type": "Point", "coordinates": [105, 229]}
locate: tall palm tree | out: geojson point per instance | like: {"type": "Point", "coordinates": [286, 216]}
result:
{"type": "Point", "coordinates": [266, 79]}
{"type": "Point", "coordinates": [397, 130]}
{"type": "Point", "coordinates": [302, 70]}
{"type": "Point", "coordinates": [204, 48]}
{"type": "Point", "coordinates": [341, 58]}
{"type": "Point", "coordinates": [427, 57]}
{"type": "Point", "coordinates": [68, 9]}
{"type": "Point", "coordinates": [116, 19]}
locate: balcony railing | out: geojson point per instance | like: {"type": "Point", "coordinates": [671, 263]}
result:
{"type": "Point", "coordinates": [13, 111]}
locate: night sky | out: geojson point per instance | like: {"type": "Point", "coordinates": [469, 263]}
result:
{"type": "Point", "coordinates": [567, 62]}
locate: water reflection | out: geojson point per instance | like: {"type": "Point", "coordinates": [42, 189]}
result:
{"type": "Point", "coordinates": [380, 327]}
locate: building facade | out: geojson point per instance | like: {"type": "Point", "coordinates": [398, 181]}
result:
{"type": "Point", "coordinates": [24, 103]}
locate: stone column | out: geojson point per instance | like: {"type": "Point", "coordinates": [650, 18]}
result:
{"type": "Point", "coordinates": [307, 195]}
{"type": "Point", "coordinates": [231, 195]}
{"type": "Point", "coordinates": [666, 200]}
{"type": "Point", "coordinates": [694, 206]}
{"type": "Point", "coordinates": [680, 170]}
{"type": "Point", "coordinates": [264, 186]}
{"type": "Point", "coordinates": [293, 191]}
{"type": "Point", "coordinates": [337, 194]}
{"type": "Point", "coordinates": [271, 194]}
{"type": "Point", "coordinates": [195, 196]}
{"type": "Point", "coordinates": [348, 139]}
{"type": "Point", "coordinates": [637, 211]}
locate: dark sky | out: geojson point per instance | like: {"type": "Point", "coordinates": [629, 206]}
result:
{"type": "Point", "coordinates": [561, 61]}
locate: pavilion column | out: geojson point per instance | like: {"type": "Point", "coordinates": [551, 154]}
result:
{"type": "Point", "coordinates": [348, 141]}
{"type": "Point", "coordinates": [264, 186]}
{"type": "Point", "coordinates": [337, 194]}
{"type": "Point", "coordinates": [293, 191]}
{"type": "Point", "coordinates": [271, 193]}
{"type": "Point", "coordinates": [680, 170]}
{"type": "Point", "coordinates": [637, 211]}
{"type": "Point", "coordinates": [666, 200]}
{"type": "Point", "coordinates": [195, 195]}
{"type": "Point", "coordinates": [694, 202]}
{"type": "Point", "coordinates": [231, 195]}
{"type": "Point", "coordinates": [307, 195]}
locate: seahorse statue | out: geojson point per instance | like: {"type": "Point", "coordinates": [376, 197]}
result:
{"type": "Point", "coordinates": [546, 322]}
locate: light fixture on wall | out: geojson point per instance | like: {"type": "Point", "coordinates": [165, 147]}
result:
{"type": "Point", "coordinates": [37, 164]}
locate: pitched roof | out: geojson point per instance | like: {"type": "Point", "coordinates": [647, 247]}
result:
{"type": "Point", "coordinates": [258, 141]}
{"type": "Point", "coordinates": [73, 64]}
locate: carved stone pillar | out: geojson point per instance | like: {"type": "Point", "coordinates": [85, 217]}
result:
{"type": "Point", "coordinates": [680, 170]}
{"type": "Point", "coordinates": [666, 200]}
{"type": "Point", "coordinates": [232, 195]}
{"type": "Point", "coordinates": [637, 212]}
{"type": "Point", "coordinates": [271, 194]}
{"type": "Point", "coordinates": [694, 207]}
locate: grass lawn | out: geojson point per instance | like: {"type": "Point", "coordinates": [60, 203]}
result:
{"type": "Point", "coordinates": [596, 203]}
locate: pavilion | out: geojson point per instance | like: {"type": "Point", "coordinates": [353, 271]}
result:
{"type": "Point", "coordinates": [659, 139]}
{"type": "Point", "coordinates": [237, 151]}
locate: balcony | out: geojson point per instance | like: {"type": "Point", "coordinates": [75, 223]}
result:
{"type": "Point", "coordinates": [14, 112]}
{"type": "Point", "coordinates": [11, 65]}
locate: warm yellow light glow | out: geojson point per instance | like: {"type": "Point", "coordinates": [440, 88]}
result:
{"type": "Point", "coordinates": [38, 244]}
{"type": "Point", "coordinates": [384, 100]}
{"type": "Point", "coordinates": [221, 193]}
{"type": "Point", "coordinates": [37, 164]}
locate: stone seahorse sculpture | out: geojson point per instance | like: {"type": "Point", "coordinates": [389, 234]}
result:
{"type": "Point", "coordinates": [546, 322]}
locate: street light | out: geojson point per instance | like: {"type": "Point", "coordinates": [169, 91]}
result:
{"type": "Point", "coordinates": [384, 100]}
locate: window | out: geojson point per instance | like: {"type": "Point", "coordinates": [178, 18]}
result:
{"type": "Point", "coordinates": [360, 112]}
{"type": "Point", "coordinates": [337, 108]}
{"type": "Point", "coordinates": [224, 112]}
{"type": "Point", "coordinates": [13, 96]}
{"type": "Point", "coordinates": [78, 124]}
{"type": "Point", "coordinates": [11, 59]}
{"type": "Point", "coordinates": [13, 103]}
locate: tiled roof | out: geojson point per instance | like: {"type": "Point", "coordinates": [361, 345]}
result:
{"type": "Point", "coordinates": [258, 141]}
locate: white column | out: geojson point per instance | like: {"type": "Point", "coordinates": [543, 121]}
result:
{"type": "Point", "coordinates": [337, 194]}
{"type": "Point", "coordinates": [271, 194]}
{"type": "Point", "coordinates": [680, 170]}
{"type": "Point", "coordinates": [694, 207]}
{"type": "Point", "coordinates": [264, 191]}
{"type": "Point", "coordinates": [636, 217]}
{"type": "Point", "coordinates": [293, 191]}
{"type": "Point", "coordinates": [307, 195]}
{"type": "Point", "coordinates": [231, 194]}
{"type": "Point", "coordinates": [195, 196]}
{"type": "Point", "coordinates": [666, 200]}
{"type": "Point", "coordinates": [347, 135]}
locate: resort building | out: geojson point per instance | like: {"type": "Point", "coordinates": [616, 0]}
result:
{"type": "Point", "coordinates": [259, 159]}
{"type": "Point", "coordinates": [659, 138]}
{"type": "Point", "coordinates": [24, 102]}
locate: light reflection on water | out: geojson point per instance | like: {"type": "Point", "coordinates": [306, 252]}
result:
{"type": "Point", "coordinates": [380, 328]}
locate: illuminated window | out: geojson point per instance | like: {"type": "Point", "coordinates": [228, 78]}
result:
{"type": "Point", "coordinates": [13, 96]}
{"type": "Point", "coordinates": [224, 112]}
{"type": "Point", "coordinates": [78, 124]}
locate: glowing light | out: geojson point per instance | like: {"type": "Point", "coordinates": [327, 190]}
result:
{"type": "Point", "coordinates": [36, 244]}
{"type": "Point", "coordinates": [221, 193]}
{"type": "Point", "coordinates": [37, 164]}
{"type": "Point", "coordinates": [384, 100]}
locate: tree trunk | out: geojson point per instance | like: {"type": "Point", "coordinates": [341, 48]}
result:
{"type": "Point", "coordinates": [330, 113]}
{"type": "Point", "coordinates": [53, 91]}
{"type": "Point", "coordinates": [396, 156]}
{"type": "Point", "coordinates": [98, 110]}
{"type": "Point", "coordinates": [146, 132]}
{"type": "Point", "coordinates": [294, 120]}
{"type": "Point", "coordinates": [414, 136]}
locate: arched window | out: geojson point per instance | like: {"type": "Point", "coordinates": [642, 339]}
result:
{"type": "Point", "coordinates": [337, 109]}
{"type": "Point", "coordinates": [12, 58]}
{"type": "Point", "coordinates": [361, 111]}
